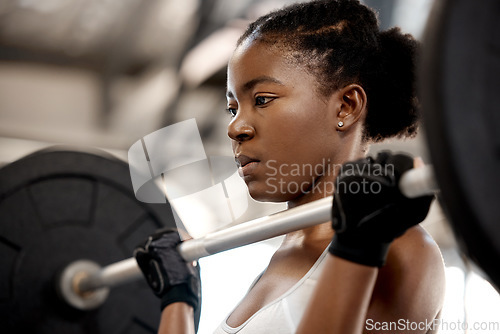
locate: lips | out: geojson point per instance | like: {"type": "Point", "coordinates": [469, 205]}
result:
{"type": "Point", "coordinates": [246, 164]}
{"type": "Point", "coordinates": [243, 160]}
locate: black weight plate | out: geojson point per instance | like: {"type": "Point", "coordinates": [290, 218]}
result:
{"type": "Point", "coordinates": [460, 91]}
{"type": "Point", "coordinates": [59, 206]}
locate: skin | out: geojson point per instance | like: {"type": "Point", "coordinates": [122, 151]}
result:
{"type": "Point", "coordinates": [280, 119]}
{"type": "Point", "coordinates": [177, 318]}
{"type": "Point", "coordinates": [282, 122]}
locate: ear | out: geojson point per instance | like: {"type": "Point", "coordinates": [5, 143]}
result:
{"type": "Point", "coordinates": [352, 106]}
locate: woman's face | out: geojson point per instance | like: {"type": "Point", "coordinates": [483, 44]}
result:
{"type": "Point", "coordinates": [283, 132]}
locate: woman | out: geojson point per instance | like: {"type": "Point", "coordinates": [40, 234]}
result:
{"type": "Point", "coordinates": [309, 88]}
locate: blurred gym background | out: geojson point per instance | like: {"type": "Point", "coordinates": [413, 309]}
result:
{"type": "Point", "coordinates": [105, 73]}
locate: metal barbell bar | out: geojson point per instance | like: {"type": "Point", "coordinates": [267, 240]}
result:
{"type": "Point", "coordinates": [85, 286]}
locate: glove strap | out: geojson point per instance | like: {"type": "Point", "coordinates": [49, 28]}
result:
{"type": "Point", "coordinates": [362, 252]}
{"type": "Point", "coordinates": [179, 293]}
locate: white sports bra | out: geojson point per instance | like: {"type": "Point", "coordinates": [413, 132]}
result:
{"type": "Point", "coordinates": [284, 313]}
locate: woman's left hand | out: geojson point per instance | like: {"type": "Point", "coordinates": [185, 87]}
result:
{"type": "Point", "coordinates": [369, 210]}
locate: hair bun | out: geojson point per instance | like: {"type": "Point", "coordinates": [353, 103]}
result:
{"type": "Point", "coordinates": [394, 112]}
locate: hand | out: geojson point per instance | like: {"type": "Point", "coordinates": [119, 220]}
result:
{"type": "Point", "coordinates": [369, 211]}
{"type": "Point", "coordinates": [168, 275]}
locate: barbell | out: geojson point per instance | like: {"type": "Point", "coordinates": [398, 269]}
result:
{"type": "Point", "coordinates": [66, 215]}
{"type": "Point", "coordinates": [85, 285]}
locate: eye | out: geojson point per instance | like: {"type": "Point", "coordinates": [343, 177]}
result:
{"type": "Point", "coordinates": [232, 111]}
{"type": "Point", "coordinates": [262, 100]}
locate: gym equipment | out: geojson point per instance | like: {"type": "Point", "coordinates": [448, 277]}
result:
{"type": "Point", "coordinates": [461, 79]}
{"type": "Point", "coordinates": [86, 216]}
{"type": "Point", "coordinates": [414, 183]}
{"type": "Point", "coordinates": [58, 206]}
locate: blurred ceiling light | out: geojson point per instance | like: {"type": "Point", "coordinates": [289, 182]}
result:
{"type": "Point", "coordinates": [211, 55]}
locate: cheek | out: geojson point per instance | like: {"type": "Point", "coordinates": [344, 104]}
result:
{"type": "Point", "coordinates": [300, 143]}
{"type": "Point", "coordinates": [307, 136]}
{"type": "Point", "coordinates": [308, 115]}
{"type": "Point", "coordinates": [304, 153]}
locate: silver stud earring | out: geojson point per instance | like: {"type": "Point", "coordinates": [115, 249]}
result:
{"type": "Point", "coordinates": [340, 124]}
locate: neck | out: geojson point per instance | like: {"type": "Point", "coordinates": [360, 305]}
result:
{"type": "Point", "coordinates": [316, 236]}
{"type": "Point", "coordinates": [323, 186]}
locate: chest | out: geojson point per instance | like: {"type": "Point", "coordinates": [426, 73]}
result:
{"type": "Point", "coordinates": [283, 273]}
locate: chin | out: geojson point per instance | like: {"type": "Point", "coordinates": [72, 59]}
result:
{"type": "Point", "coordinates": [267, 194]}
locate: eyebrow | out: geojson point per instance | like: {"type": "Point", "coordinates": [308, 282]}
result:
{"type": "Point", "coordinates": [254, 82]}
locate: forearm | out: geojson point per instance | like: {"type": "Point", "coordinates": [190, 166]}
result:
{"type": "Point", "coordinates": [341, 298]}
{"type": "Point", "coordinates": [177, 318]}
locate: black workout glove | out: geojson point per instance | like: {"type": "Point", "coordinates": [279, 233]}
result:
{"type": "Point", "coordinates": [369, 211]}
{"type": "Point", "coordinates": [170, 277]}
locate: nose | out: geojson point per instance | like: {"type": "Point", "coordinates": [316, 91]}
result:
{"type": "Point", "coordinates": [240, 129]}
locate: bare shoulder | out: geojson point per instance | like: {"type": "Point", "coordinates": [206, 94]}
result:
{"type": "Point", "coordinates": [412, 283]}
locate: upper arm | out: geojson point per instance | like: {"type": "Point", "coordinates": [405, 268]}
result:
{"type": "Point", "coordinates": [410, 287]}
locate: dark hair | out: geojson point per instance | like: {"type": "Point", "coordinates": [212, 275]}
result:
{"type": "Point", "coordinates": [340, 42]}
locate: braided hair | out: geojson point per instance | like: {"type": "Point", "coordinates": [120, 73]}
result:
{"type": "Point", "coordinates": [339, 42]}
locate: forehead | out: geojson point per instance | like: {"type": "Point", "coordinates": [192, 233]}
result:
{"type": "Point", "coordinates": [253, 59]}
